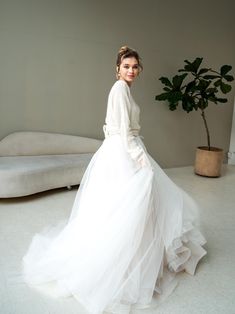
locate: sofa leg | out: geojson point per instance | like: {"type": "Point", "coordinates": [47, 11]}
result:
{"type": "Point", "coordinates": [69, 187]}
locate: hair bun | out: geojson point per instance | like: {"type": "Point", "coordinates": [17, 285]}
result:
{"type": "Point", "coordinates": [125, 49]}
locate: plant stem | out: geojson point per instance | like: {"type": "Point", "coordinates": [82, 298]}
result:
{"type": "Point", "coordinates": [214, 72]}
{"type": "Point", "coordinates": [207, 130]}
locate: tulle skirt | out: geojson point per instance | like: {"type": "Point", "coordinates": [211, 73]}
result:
{"type": "Point", "coordinates": [131, 230]}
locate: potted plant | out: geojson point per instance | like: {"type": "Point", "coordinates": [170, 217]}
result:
{"type": "Point", "coordinates": [194, 89]}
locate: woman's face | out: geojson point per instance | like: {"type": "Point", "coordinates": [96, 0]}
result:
{"type": "Point", "coordinates": [129, 70]}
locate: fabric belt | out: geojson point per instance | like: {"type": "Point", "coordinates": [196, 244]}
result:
{"type": "Point", "coordinates": [110, 132]}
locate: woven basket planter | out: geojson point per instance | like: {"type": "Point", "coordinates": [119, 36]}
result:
{"type": "Point", "coordinates": [208, 163]}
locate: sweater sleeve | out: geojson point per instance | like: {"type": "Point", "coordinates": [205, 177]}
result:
{"type": "Point", "coordinates": [123, 103]}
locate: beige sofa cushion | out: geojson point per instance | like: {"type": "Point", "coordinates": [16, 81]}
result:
{"type": "Point", "coordinates": [25, 175]}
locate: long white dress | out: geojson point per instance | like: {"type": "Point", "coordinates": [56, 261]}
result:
{"type": "Point", "coordinates": [131, 228]}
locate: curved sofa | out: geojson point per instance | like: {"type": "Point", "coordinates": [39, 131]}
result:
{"type": "Point", "coordinates": [32, 162]}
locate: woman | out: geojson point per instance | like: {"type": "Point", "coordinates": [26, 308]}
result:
{"type": "Point", "coordinates": [131, 228]}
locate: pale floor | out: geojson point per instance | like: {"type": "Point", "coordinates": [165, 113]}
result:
{"type": "Point", "coordinates": [210, 291]}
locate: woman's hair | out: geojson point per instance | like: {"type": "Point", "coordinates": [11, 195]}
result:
{"type": "Point", "coordinates": [127, 52]}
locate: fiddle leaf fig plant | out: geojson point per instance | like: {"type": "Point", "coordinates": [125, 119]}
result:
{"type": "Point", "coordinates": [195, 88]}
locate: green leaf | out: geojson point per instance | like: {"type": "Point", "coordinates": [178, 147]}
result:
{"type": "Point", "coordinates": [225, 88]}
{"type": "Point", "coordinates": [210, 77]}
{"type": "Point", "coordinates": [203, 70]}
{"type": "Point", "coordinates": [171, 97]}
{"type": "Point", "coordinates": [192, 66]}
{"type": "Point", "coordinates": [186, 61]}
{"type": "Point", "coordinates": [188, 104]}
{"type": "Point", "coordinates": [217, 83]}
{"type": "Point", "coordinates": [175, 96]}
{"type": "Point", "coordinates": [178, 79]}
{"type": "Point", "coordinates": [167, 89]}
{"type": "Point", "coordinates": [228, 78]}
{"type": "Point", "coordinates": [165, 81]}
{"type": "Point", "coordinates": [225, 69]}
{"type": "Point", "coordinates": [190, 87]}
{"type": "Point", "coordinates": [222, 100]}
{"type": "Point", "coordinates": [196, 64]}
{"type": "Point", "coordinates": [203, 84]}
{"type": "Point", "coordinates": [212, 90]}
{"type": "Point", "coordinates": [163, 96]}
{"type": "Point", "coordinates": [173, 106]}
{"type": "Point", "coordinates": [188, 68]}
{"type": "Point", "coordinates": [213, 99]}
{"type": "Point", "coordinates": [203, 103]}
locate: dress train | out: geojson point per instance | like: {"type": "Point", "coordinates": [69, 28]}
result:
{"type": "Point", "coordinates": [131, 230]}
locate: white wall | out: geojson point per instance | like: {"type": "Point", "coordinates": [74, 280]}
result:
{"type": "Point", "coordinates": [57, 64]}
{"type": "Point", "coordinates": [231, 154]}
